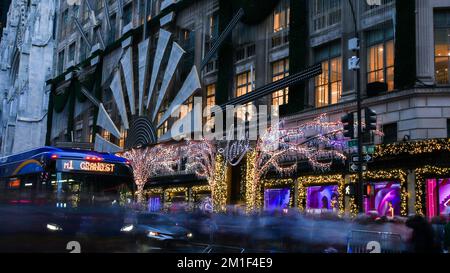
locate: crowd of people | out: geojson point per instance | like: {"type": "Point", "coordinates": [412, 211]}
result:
{"type": "Point", "coordinates": [295, 231]}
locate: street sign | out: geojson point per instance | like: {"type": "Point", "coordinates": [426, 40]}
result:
{"type": "Point", "coordinates": [370, 149]}
{"type": "Point", "coordinates": [352, 143]}
{"type": "Point", "coordinates": [354, 167]}
{"type": "Point", "coordinates": [367, 158]}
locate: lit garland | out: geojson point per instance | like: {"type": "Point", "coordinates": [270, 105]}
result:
{"type": "Point", "coordinates": [421, 175]}
{"type": "Point", "coordinates": [413, 147]}
{"type": "Point", "coordinates": [341, 198]}
{"type": "Point", "coordinates": [251, 186]}
{"type": "Point", "coordinates": [396, 175]}
{"type": "Point", "coordinates": [219, 187]}
{"type": "Point", "coordinates": [301, 198]}
{"type": "Point", "coordinates": [353, 207]}
{"type": "Point", "coordinates": [201, 188]}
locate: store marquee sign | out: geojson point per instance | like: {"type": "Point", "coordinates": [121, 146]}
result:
{"type": "Point", "coordinates": [86, 166]}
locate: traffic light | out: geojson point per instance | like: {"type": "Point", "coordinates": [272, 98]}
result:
{"type": "Point", "coordinates": [349, 125]}
{"type": "Point", "coordinates": [369, 190]}
{"type": "Point", "coordinates": [371, 120]}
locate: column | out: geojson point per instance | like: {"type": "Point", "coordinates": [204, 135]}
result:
{"type": "Point", "coordinates": [425, 41]}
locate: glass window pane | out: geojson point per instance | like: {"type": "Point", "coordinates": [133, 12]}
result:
{"type": "Point", "coordinates": [390, 53]}
{"type": "Point", "coordinates": [442, 66]}
{"type": "Point", "coordinates": [390, 78]}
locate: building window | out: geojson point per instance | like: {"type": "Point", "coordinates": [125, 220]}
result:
{"type": "Point", "coordinates": [112, 32]}
{"type": "Point", "coordinates": [281, 16]}
{"type": "Point", "coordinates": [127, 14]}
{"type": "Point", "coordinates": [325, 13]}
{"type": "Point", "coordinates": [97, 34]}
{"type": "Point", "coordinates": [390, 133]}
{"type": "Point", "coordinates": [72, 53]}
{"type": "Point", "coordinates": [84, 48]}
{"type": "Point", "coordinates": [188, 106]}
{"type": "Point", "coordinates": [106, 135]}
{"type": "Point", "coordinates": [64, 23]}
{"type": "Point", "coordinates": [244, 83]}
{"type": "Point", "coordinates": [99, 5]}
{"type": "Point", "coordinates": [86, 12]}
{"type": "Point", "coordinates": [210, 102]}
{"type": "Point", "coordinates": [213, 25]}
{"type": "Point", "coordinates": [328, 85]}
{"type": "Point", "coordinates": [165, 126]}
{"type": "Point", "coordinates": [123, 137]}
{"type": "Point", "coordinates": [442, 46]}
{"type": "Point", "coordinates": [280, 70]}
{"type": "Point", "coordinates": [211, 95]}
{"type": "Point", "coordinates": [60, 62]}
{"type": "Point", "coordinates": [380, 57]}
{"type": "Point", "coordinates": [245, 52]}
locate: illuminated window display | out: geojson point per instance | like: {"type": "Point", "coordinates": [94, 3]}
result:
{"type": "Point", "coordinates": [438, 197]}
{"type": "Point", "coordinates": [154, 203]}
{"type": "Point", "coordinates": [276, 199]}
{"type": "Point", "coordinates": [323, 198]}
{"type": "Point", "coordinates": [384, 198]}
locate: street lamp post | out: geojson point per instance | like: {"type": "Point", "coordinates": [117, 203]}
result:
{"type": "Point", "coordinates": [360, 188]}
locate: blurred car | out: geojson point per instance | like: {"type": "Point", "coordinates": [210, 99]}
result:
{"type": "Point", "coordinates": [155, 228]}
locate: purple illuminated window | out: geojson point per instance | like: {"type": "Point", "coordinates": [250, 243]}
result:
{"type": "Point", "coordinates": [438, 197]}
{"type": "Point", "coordinates": [385, 200]}
{"type": "Point", "coordinates": [276, 199]}
{"type": "Point", "coordinates": [322, 197]}
{"type": "Point", "coordinates": [154, 204]}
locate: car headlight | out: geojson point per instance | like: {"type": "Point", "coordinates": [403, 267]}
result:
{"type": "Point", "coordinates": [189, 235]}
{"type": "Point", "coordinates": [53, 227]}
{"type": "Point", "coordinates": [153, 233]}
{"type": "Point", "coordinates": [127, 228]}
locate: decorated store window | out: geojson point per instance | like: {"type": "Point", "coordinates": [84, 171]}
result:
{"type": "Point", "coordinates": [276, 199]}
{"type": "Point", "coordinates": [322, 198]}
{"type": "Point", "coordinates": [438, 197]}
{"type": "Point", "coordinates": [383, 198]}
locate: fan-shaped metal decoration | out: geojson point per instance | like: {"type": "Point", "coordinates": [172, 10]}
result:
{"type": "Point", "coordinates": [139, 117]}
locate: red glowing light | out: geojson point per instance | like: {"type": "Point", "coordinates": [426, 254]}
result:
{"type": "Point", "coordinates": [54, 156]}
{"type": "Point", "coordinates": [93, 158]}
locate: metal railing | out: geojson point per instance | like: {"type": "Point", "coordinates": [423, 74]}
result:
{"type": "Point", "coordinates": [363, 241]}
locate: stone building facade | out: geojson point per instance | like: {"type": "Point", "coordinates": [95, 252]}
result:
{"type": "Point", "coordinates": [26, 62]}
{"type": "Point", "coordinates": [404, 50]}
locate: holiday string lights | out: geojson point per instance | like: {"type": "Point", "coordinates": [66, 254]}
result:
{"type": "Point", "coordinates": [204, 161]}
{"type": "Point", "coordinates": [318, 143]}
{"type": "Point", "coordinates": [219, 188]}
{"type": "Point", "coordinates": [150, 161]}
{"type": "Point", "coordinates": [421, 175]}
{"type": "Point", "coordinates": [413, 148]}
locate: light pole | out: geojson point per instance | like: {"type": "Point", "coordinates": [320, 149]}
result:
{"type": "Point", "coordinates": [360, 188]}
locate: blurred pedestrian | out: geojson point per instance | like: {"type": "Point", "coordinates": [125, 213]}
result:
{"type": "Point", "coordinates": [447, 237]}
{"type": "Point", "coordinates": [422, 238]}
